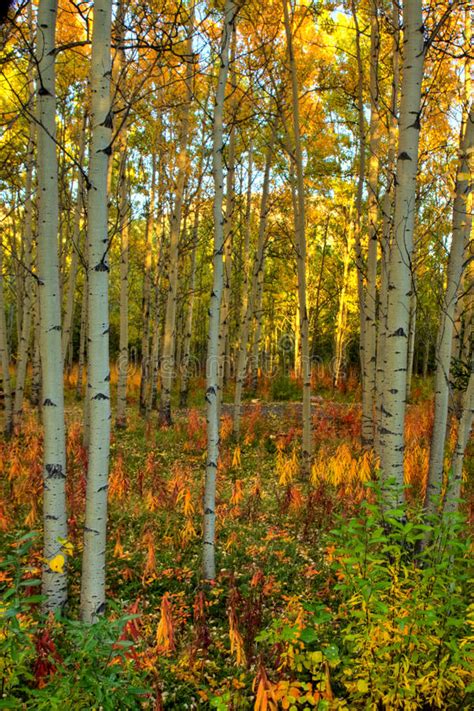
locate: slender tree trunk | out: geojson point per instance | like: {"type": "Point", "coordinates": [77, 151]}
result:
{"type": "Point", "coordinates": [317, 307]}
{"type": "Point", "coordinates": [462, 220]}
{"type": "Point", "coordinates": [367, 420]}
{"type": "Point", "coordinates": [453, 493]}
{"type": "Point", "coordinates": [150, 216]}
{"type": "Point", "coordinates": [257, 335]}
{"type": "Point", "coordinates": [82, 342]}
{"type": "Point", "coordinates": [229, 232]}
{"type": "Point", "coordinates": [98, 391]}
{"type": "Point", "coordinates": [212, 364]}
{"type": "Point", "coordinates": [54, 473]}
{"type": "Point", "coordinates": [36, 384]}
{"type": "Point", "coordinates": [23, 346]}
{"type": "Point", "coordinates": [124, 217]}
{"type": "Point", "coordinates": [391, 434]}
{"type": "Point", "coordinates": [411, 341]}
{"type": "Point", "coordinates": [426, 358]}
{"type": "Point", "coordinates": [152, 396]}
{"type": "Point", "coordinates": [300, 230]}
{"type": "Point", "coordinates": [76, 237]}
{"type": "Point", "coordinates": [370, 295]}
{"type": "Point", "coordinates": [188, 331]}
{"type": "Point", "coordinates": [341, 330]}
{"type": "Point", "coordinates": [167, 369]}
{"type": "Point", "coordinates": [387, 226]}
{"type": "Point", "coordinates": [250, 305]}
{"type": "Point", "coordinates": [5, 358]}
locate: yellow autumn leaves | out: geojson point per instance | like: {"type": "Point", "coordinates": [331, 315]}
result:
{"type": "Point", "coordinates": [57, 562]}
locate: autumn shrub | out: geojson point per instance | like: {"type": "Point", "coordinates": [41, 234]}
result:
{"type": "Point", "coordinates": [47, 663]}
{"type": "Point", "coordinates": [396, 632]}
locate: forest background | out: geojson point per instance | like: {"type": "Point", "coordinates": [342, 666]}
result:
{"type": "Point", "coordinates": [236, 315]}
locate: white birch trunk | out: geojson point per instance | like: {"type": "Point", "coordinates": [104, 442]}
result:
{"type": "Point", "coordinates": [124, 217]}
{"type": "Point", "coordinates": [225, 312]}
{"type": "Point", "coordinates": [5, 358]}
{"type": "Point", "coordinates": [188, 330]}
{"type": "Point", "coordinates": [35, 395]}
{"type": "Point", "coordinates": [250, 305]}
{"type": "Point", "coordinates": [257, 335]}
{"type": "Point", "coordinates": [146, 309]}
{"type": "Point", "coordinates": [341, 328]}
{"type": "Point", "coordinates": [387, 226]}
{"type": "Point", "coordinates": [212, 364]}
{"type": "Point", "coordinates": [370, 296]}
{"type": "Point", "coordinates": [462, 220]}
{"type": "Point", "coordinates": [300, 230]}
{"type": "Point", "coordinates": [391, 433]}
{"type": "Point", "coordinates": [366, 425]}
{"type": "Point", "coordinates": [98, 384]}
{"type": "Point", "coordinates": [167, 369]}
{"type": "Point", "coordinates": [76, 236]}
{"type": "Point", "coordinates": [453, 493]}
{"type": "Point", "coordinates": [54, 585]}
{"type": "Point", "coordinates": [23, 346]}
{"type": "Point", "coordinates": [82, 339]}
{"type": "Point", "coordinates": [411, 340]}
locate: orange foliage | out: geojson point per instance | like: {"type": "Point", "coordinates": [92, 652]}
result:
{"type": "Point", "coordinates": [165, 631]}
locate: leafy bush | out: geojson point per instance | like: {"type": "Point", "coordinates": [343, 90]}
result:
{"type": "Point", "coordinates": [397, 632]}
{"type": "Point", "coordinates": [285, 388]}
{"type": "Point", "coordinates": [47, 663]}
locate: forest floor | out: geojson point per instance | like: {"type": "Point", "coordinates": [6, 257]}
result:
{"type": "Point", "coordinates": [314, 603]}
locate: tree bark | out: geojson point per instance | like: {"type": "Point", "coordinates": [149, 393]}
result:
{"type": "Point", "coordinates": [462, 220]}
{"type": "Point", "coordinates": [300, 230]}
{"type": "Point", "coordinates": [411, 340]}
{"type": "Point", "coordinates": [5, 358]}
{"type": "Point", "coordinates": [257, 267]}
{"type": "Point", "coordinates": [391, 432]}
{"type": "Point", "coordinates": [370, 295]}
{"type": "Point", "coordinates": [54, 584]}
{"type": "Point", "coordinates": [98, 386]}
{"type": "Point", "coordinates": [167, 369]}
{"type": "Point", "coordinates": [225, 311]}
{"type": "Point", "coordinates": [453, 493]}
{"type": "Point", "coordinates": [387, 226]}
{"type": "Point", "coordinates": [146, 310]}
{"type": "Point", "coordinates": [23, 346]}
{"type": "Point", "coordinates": [188, 329]}
{"type": "Point", "coordinates": [124, 217]}
{"type": "Point", "coordinates": [212, 364]}
{"type": "Point", "coordinates": [76, 238]}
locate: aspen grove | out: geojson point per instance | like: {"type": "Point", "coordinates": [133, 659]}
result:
{"type": "Point", "coordinates": [236, 354]}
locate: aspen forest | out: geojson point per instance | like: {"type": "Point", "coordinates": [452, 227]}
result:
{"type": "Point", "coordinates": [236, 355]}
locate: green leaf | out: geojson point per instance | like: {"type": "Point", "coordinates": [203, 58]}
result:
{"type": "Point", "coordinates": [308, 635]}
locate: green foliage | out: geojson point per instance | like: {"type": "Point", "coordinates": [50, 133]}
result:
{"type": "Point", "coordinates": [50, 663]}
{"type": "Point", "coordinates": [397, 632]}
{"type": "Point", "coordinates": [285, 388]}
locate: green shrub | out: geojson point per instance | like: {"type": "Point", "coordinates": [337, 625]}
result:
{"type": "Point", "coordinates": [47, 663]}
{"type": "Point", "coordinates": [285, 388]}
{"type": "Point", "coordinates": [397, 633]}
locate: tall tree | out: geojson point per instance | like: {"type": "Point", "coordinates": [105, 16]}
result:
{"type": "Point", "coordinates": [167, 370]}
{"type": "Point", "coordinates": [54, 468]}
{"type": "Point", "coordinates": [300, 233]}
{"type": "Point", "coordinates": [369, 333]}
{"type": "Point", "coordinates": [391, 433]}
{"type": "Point", "coordinates": [98, 384]}
{"type": "Point", "coordinates": [462, 220]}
{"type": "Point", "coordinates": [213, 341]}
